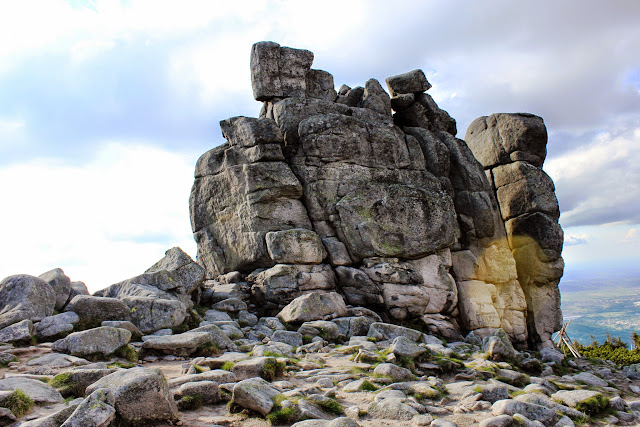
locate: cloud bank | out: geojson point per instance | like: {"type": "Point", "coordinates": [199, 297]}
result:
{"type": "Point", "coordinates": [105, 105]}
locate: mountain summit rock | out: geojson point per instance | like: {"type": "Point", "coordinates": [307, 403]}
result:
{"type": "Point", "coordinates": [375, 198]}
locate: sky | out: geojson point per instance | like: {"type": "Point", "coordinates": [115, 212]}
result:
{"type": "Point", "coordinates": [105, 106]}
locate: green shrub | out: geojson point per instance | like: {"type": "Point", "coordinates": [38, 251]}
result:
{"type": "Point", "coordinates": [280, 415]}
{"type": "Point", "coordinates": [18, 403]}
{"type": "Point", "coordinates": [612, 350]}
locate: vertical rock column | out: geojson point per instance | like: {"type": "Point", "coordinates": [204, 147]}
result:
{"type": "Point", "coordinates": [512, 149]}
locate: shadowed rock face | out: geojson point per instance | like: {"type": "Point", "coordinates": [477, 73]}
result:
{"type": "Point", "coordinates": [374, 197]}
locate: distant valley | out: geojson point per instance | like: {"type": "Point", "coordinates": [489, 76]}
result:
{"type": "Point", "coordinates": [598, 303]}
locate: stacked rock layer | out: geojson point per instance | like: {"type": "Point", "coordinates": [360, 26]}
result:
{"type": "Point", "coordinates": [374, 197]}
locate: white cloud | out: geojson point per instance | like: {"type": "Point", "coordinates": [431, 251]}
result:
{"type": "Point", "coordinates": [575, 239]}
{"type": "Point", "coordinates": [599, 182]}
{"type": "Point", "coordinates": [632, 235]}
{"type": "Point", "coordinates": [101, 223]}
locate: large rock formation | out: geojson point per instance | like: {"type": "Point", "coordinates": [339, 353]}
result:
{"type": "Point", "coordinates": [331, 191]}
{"type": "Point", "coordinates": [512, 149]}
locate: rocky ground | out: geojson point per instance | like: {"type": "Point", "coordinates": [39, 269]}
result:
{"type": "Point", "coordinates": [305, 364]}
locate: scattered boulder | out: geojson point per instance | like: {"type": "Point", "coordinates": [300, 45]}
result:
{"type": "Point", "coordinates": [38, 391]}
{"type": "Point", "coordinates": [57, 325]}
{"type": "Point", "coordinates": [313, 306]}
{"type": "Point", "coordinates": [140, 395]}
{"type": "Point", "coordinates": [60, 284]}
{"type": "Point", "coordinates": [151, 314]}
{"type": "Point", "coordinates": [95, 411]}
{"type": "Point", "coordinates": [24, 297]}
{"type": "Point", "coordinates": [254, 394]}
{"type": "Point", "coordinates": [102, 341]}
{"type": "Point", "coordinates": [18, 332]}
{"type": "Point", "coordinates": [183, 344]}
{"type": "Point", "coordinates": [94, 310]}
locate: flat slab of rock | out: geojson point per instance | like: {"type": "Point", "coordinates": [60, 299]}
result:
{"type": "Point", "coordinates": [38, 391]}
{"type": "Point", "coordinates": [387, 331]}
{"type": "Point", "coordinates": [57, 360]}
{"type": "Point", "coordinates": [180, 344]}
{"type": "Point", "coordinates": [103, 341]}
{"type": "Point", "coordinates": [572, 398]}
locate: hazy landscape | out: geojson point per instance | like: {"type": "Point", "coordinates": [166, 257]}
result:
{"type": "Point", "coordinates": [597, 303]}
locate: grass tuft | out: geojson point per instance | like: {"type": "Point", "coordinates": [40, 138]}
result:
{"type": "Point", "coordinates": [18, 403]}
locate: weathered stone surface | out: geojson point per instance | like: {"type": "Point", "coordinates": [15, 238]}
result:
{"type": "Point", "coordinates": [264, 367]}
{"type": "Point", "coordinates": [25, 297]}
{"type": "Point", "coordinates": [295, 246]}
{"type": "Point", "coordinates": [38, 391]}
{"type": "Point", "coordinates": [573, 397]}
{"type": "Point", "coordinates": [255, 394]}
{"type": "Point", "coordinates": [523, 188]}
{"type": "Point", "coordinates": [180, 344]}
{"type": "Point", "coordinates": [57, 418]}
{"type": "Point", "coordinates": [529, 410]}
{"type": "Point", "coordinates": [21, 331]}
{"type": "Point", "coordinates": [141, 395]}
{"type": "Point", "coordinates": [411, 82]}
{"type": "Point", "coordinates": [282, 283]}
{"type": "Point", "coordinates": [57, 360]}
{"type": "Point", "coordinates": [397, 373]}
{"type": "Point", "coordinates": [78, 288]}
{"type": "Point", "coordinates": [313, 306]}
{"type": "Point", "coordinates": [391, 409]}
{"type": "Point", "coordinates": [209, 391]}
{"type": "Point", "coordinates": [95, 411]}
{"type": "Point", "coordinates": [492, 139]}
{"type": "Point", "coordinates": [101, 341]}
{"type": "Point", "coordinates": [358, 288]}
{"type": "Point", "coordinates": [151, 314]}
{"type": "Point", "coordinates": [404, 347]}
{"type": "Point", "coordinates": [93, 310]}
{"type": "Point", "coordinates": [57, 325]}
{"type": "Point", "coordinates": [124, 324]}
{"type": "Point", "coordinates": [61, 285]}
{"type": "Point", "coordinates": [387, 331]}
{"type": "Point", "coordinates": [498, 347]}
{"type": "Point", "coordinates": [279, 71]}
{"type": "Point", "coordinates": [189, 274]}
{"type": "Point", "coordinates": [390, 197]}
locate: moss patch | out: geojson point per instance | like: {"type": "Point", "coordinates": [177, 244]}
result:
{"type": "Point", "coordinates": [190, 402]}
{"type": "Point", "coordinates": [594, 405]}
{"type": "Point", "coordinates": [227, 366]}
{"type": "Point", "coordinates": [331, 405]}
{"type": "Point", "coordinates": [367, 386]}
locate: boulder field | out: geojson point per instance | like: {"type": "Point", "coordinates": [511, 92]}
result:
{"type": "Point", "coordinates": [357, 265]}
